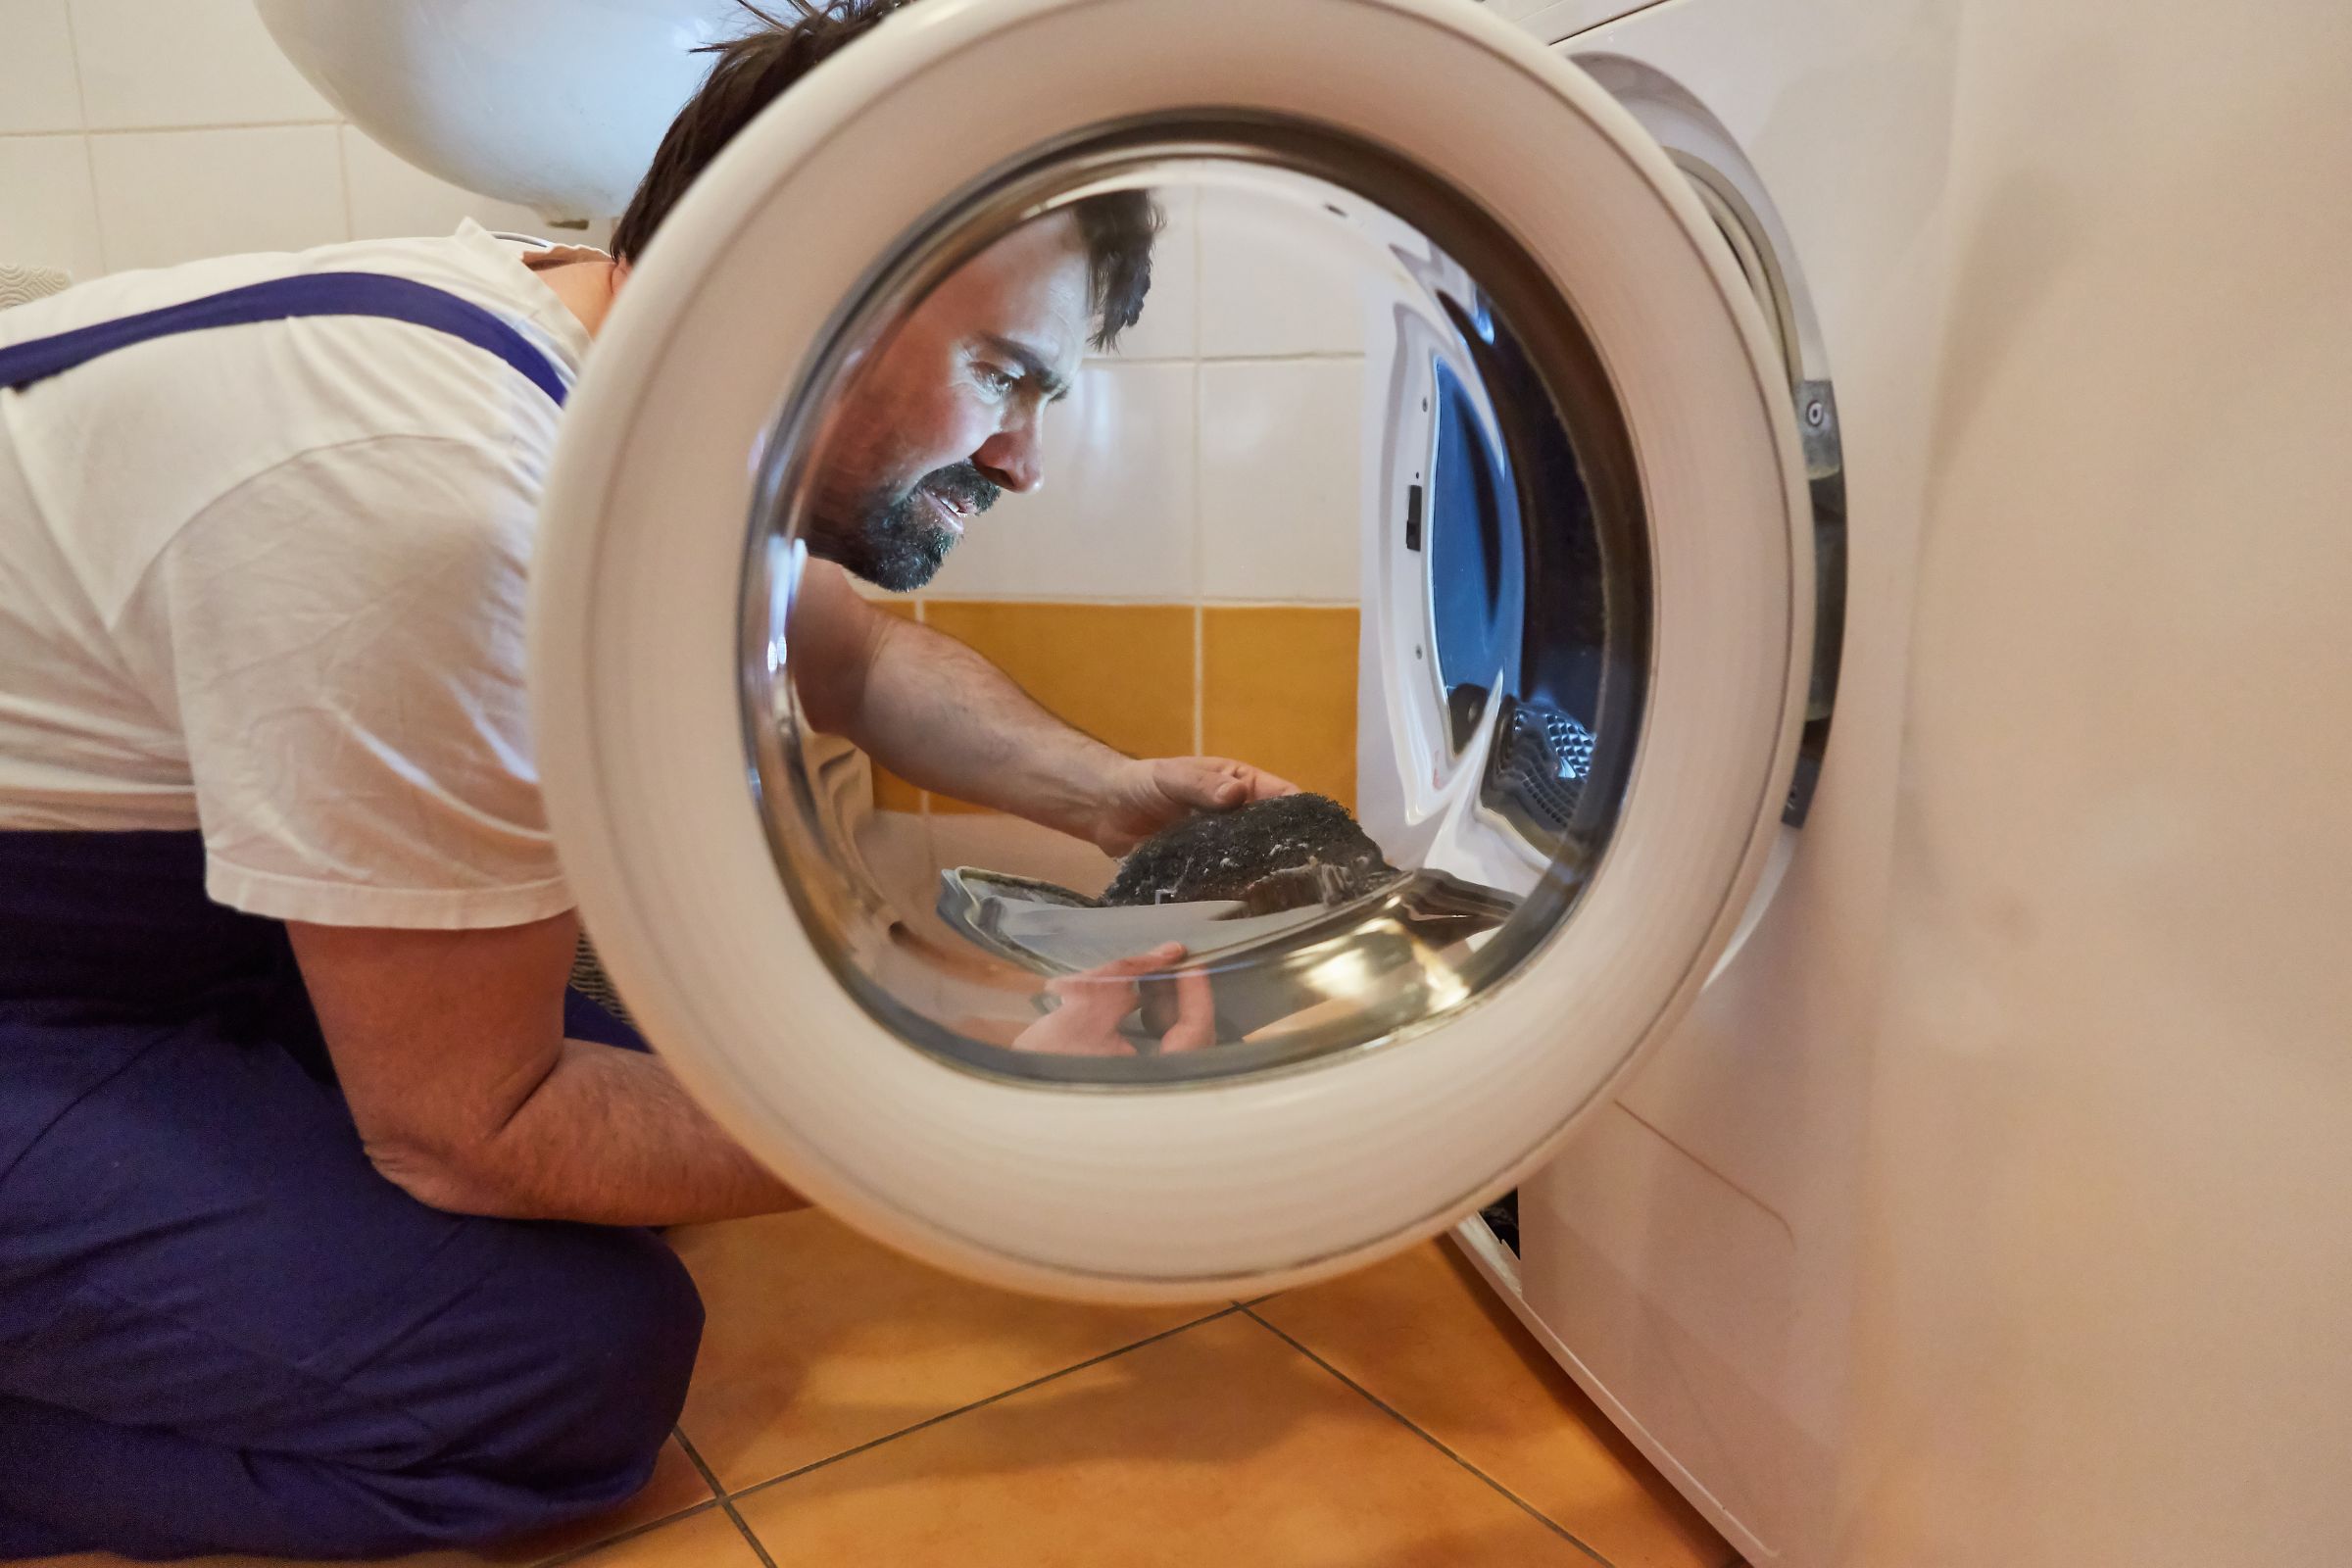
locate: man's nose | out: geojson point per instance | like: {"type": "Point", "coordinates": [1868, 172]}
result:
{"type": "Point", "coordinates": [1013, 458]}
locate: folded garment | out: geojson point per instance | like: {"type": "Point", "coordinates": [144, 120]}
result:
{"type": "Point", "coordinates": [1275, 855]}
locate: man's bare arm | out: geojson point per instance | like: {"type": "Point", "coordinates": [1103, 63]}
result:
{"type": "Point", "coordinates": [941, 717]}
{"type": "Point", "coordinates": [937, 713]}
{"type": "Point", "coordinates": [451, 1051]}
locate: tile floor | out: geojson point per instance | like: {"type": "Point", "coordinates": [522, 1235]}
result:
{"type": "Point", "coordinates": [854, 1407]}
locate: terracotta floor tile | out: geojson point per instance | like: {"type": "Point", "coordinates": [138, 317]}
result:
{"type": "Point", "coordinates": [1423, 1332]}
{"type": "Point", "coordinates": [676, 1486]}
{"type": "Point", "coordinates": [708, 1540]}
{"type": "Point", "coordinates": [818, 1341]}
{"type": "Point", "coordinates": [1219, 1444]}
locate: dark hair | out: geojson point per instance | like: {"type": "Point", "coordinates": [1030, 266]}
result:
{"type": "Point", "coordinates": [751, 72]}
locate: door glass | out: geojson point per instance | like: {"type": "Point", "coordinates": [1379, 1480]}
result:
{"type": "Point", "coordinates": [1173, 447]}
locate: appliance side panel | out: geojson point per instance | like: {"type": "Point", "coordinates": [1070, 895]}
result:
{"type": "Point", "coordinates": [2106, 1262]}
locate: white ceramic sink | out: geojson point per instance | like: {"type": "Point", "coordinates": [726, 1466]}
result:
{"type": "Point", "coordinates": [555, 104]}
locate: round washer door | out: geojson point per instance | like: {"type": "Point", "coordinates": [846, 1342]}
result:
{"type": "Point", "coordinates": [1564, 381]}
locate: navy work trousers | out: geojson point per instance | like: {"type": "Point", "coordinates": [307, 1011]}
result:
{"type": "Point", "coordinates": [221, 1329]}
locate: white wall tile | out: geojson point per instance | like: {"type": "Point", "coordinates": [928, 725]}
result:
{"type": "Point", "coordinates": [1115, 517]}
{"type": "Point", "coordinates": [173, 196]}
{"type": "Point", "coordinates": [37, 89]}
{"type": "Point", "coordinates": [1169, 328]}
{"type": "Point", "coordinates": [157, 62]}
{"type": "Point", "coordinates": [393, 199]}
{"type": "Point", "coordinates": [1281, 479]}
{"type": "Point", "coordinates": [48, 212]}
{"type": "Point", "coordinates": [1276, 278]}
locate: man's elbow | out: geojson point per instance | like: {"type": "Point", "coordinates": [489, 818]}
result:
{"type": "Point", "coordinates": [830, 700]}
{"type": "Point", "coordinates": [826, 714]}
{"type": "Point", "coordinates": [455, 1179]}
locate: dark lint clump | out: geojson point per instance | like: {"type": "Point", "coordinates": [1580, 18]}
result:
{"type": "Point", "coordinates": [1271, 854]}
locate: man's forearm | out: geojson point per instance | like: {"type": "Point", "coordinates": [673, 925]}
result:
{"type": "Point", "coordinates": [609, 1138]}
{"type": "Point", "coordinates": [942, 717]}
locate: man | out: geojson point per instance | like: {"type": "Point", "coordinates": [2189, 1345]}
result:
{"type": "Point", "coordinates": [320, 1203]}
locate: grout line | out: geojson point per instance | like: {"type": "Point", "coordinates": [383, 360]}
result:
{"type": "Point", "coordinates": [82, 93]}
{"type": "Point", "coordinates": [1199, 550]}
{"type": "Point", "coordinates": [1399, 1416]}
{"type": "Point", "coordinates": [630, 1534]}
{"type": "Point", "coordinates": [979, 1404]}
{"type": "Point", "coordinates": [725, 1501]}
{"type": "Point", "coordinates": [89, 149]}
{"type": "Point", "coordinates": [1199, 509]}
{"type": "Point", "coordinates": [233, 124]}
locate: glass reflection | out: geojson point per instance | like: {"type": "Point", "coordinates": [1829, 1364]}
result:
{"type": "Point", "coordinates": [1184, 632]}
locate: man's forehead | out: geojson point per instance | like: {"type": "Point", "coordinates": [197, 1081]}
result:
{"type": "Point", "coordinates": [1030, 287]}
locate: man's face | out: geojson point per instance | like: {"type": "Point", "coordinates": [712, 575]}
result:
{"type": "Point", "coordinates": [946, 412]}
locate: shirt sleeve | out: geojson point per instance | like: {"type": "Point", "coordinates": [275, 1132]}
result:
{"type": "Point", "coordinates": [345, 639]}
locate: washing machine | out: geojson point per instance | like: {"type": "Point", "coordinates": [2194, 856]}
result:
{"type": "Point", "coordinates": [1851, 563]}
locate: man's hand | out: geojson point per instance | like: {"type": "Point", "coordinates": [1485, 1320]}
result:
{"type": "Point", "coordinates": [1091, 1006]}
{"type": "Point", "coordinates": [1141, 798]}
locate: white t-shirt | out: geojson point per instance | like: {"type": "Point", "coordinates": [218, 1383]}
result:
{"type": "Point", "coordinates": [269, 580]}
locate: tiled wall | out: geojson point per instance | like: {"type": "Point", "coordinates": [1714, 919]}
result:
{"type": "Point", "coordinates": [1187, 580]}
{"type": "Point", "coordinates": [1271, 684]}
{"type": "Point", "coordinates": [1216, 455]}
{"type": "Point", "coordinates": [143, 133]}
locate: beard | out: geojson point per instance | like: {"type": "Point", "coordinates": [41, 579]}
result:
{"type": "Point", "coordinates": [897, 542]}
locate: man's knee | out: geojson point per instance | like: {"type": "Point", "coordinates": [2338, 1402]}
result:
{"type": "Point", "coordinates": [657, 1324]}
{"type": "Point", "coordinates": [633, 1370]}
{"type": "Point", "coordinates": [609, 1325]}
{"type": "Point", "coordinates": [557, 1385]}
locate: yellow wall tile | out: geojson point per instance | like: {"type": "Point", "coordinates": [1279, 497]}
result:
{"type": "Point", "coordinates": [1120, 672]}
{"type": "Point", "coordinates": [893, 794]}
{"type": "Point", "coordinates": [1278, 691]}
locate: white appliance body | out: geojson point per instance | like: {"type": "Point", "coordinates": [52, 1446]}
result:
{"type": "Point", "coordinates": [1988, 1206]}
{"type": "Point", "coordinates": [555, 104]}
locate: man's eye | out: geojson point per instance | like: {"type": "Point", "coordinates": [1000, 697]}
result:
{"type": "Point", "coordinates": [997, 381]}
